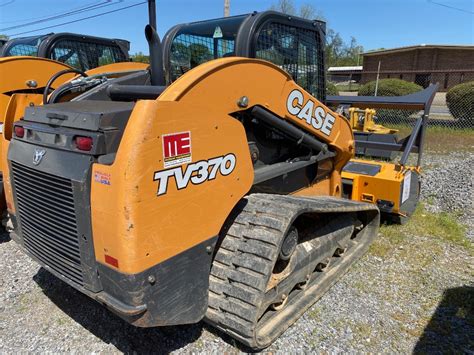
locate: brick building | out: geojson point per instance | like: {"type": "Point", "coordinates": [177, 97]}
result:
{"type": "Point", "coordinates": [424, 64]}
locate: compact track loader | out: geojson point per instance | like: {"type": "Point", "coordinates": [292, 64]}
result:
{"type": "Point", "coordinates": [27, 63]}
{"type": "Point", "coordinates": [214, 192]}
{"type": "Point", "coordinates": [52, 60]}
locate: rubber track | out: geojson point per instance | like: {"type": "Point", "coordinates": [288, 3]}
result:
{"type": "Point", "coordinates": [245, 259]}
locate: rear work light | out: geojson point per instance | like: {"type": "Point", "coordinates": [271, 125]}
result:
{"type": "Point", "coordinates": [19, 131]}
{"type": "Point", "coordinates": [83, 143]}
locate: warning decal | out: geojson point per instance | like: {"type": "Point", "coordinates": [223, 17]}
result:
{"type": "Point", "coordinates": [406, 186]}
{"type": "Point", "coordinates": [176, 149]}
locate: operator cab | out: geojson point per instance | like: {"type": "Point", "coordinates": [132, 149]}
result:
{"type": "Point", "coordinates": [79, 51]}
{"type": "Point", "coordinates": [294, 44]}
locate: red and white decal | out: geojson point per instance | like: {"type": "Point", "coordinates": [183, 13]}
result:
{"type": "Point", "coordinates": [176, 149]}
{"type": "Point", "coordinates": [102, 178]}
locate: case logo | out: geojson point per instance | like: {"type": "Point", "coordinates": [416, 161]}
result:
{"type": "Point", "coordinates": [38, 156]}
{"type": "Point", "coordinates": [314, 115]}
{"type": "Point", "coordinates": [196, 173]}
{"type": "Point", "coordinates": [176, 149]}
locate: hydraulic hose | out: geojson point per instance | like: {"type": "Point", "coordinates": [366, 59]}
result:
{"type": "Point", "coordinates": [53, 79]}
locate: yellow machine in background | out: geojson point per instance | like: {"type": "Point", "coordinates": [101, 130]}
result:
{"type": "Point", "coordinates": [363, 121]}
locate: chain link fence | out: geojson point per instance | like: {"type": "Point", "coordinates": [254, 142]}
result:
{"type": "Point", "coordinates": [452, 107]}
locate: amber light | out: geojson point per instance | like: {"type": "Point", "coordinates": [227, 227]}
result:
{"type": "Point", "coordinates": [83, 143]}
{"type": "Point", "coordinates": [19, 131]}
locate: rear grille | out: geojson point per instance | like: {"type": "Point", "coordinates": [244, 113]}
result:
{"type": "Point", "coordinates": [45, 205]}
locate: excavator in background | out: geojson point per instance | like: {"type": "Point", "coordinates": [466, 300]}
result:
{"type": "Point", "coordinates": [33, 66]}
{"type": "Point", "coordinates": [208, 189]}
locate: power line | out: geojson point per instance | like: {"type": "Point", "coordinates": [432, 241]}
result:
{"type": "Point", "coordinates": [451, 7]}
{"type": "Point", "coordinates": [43, 16]}
{"type": "Point", "coordinates": [7, 3]}
{"type": "Point", "coordinates": [81, 19]}
{"type": "Point", "coordinates": [65, 14]}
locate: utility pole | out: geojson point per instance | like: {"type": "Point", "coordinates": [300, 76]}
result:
{"type": "Point", "coordinates": [226, 8]}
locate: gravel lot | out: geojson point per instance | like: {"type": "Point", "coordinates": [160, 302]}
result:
{"type": "Point", "coordinates": [409, 293]}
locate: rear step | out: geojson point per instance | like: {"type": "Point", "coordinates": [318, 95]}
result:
{"type": "Point", "coordinates": [255, 294]}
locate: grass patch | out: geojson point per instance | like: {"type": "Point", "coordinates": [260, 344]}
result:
{"type": "Point", "coordinates": [315, 313]}
{"type": "Point", "coordinates": [442, 226]}
{"type": "Point", "coordinates": [441, 139]}
{"type": "Point", "coordinates": [392, 237]}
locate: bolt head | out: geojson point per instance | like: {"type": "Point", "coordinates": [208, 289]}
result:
{"type": "Point", "coordinates": [243, 102]}
{"type": "Point", "coordinates": [31, 83]}
{"type": "Point", "coordinates": [151, 279]}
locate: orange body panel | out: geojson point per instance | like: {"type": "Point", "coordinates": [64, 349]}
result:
{"type": "Point", "coordinates": [138, 227]}
{"type": "Point", "coordinates": [118, 68]}
{"type": "Point", "coordinates": [15, 110]}
{"type": "Point", "coordinates": [15, 72]}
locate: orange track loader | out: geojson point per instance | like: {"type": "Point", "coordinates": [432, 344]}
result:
{"type": "Point", "coordinates": [27, 65]}
{"type": "Point", "coordinates": [215, 195]}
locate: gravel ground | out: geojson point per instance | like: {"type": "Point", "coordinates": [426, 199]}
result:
{"type": "Point", "coordinates": [416, 295]}
{"type": "Point", "coordinates": [448, 186]}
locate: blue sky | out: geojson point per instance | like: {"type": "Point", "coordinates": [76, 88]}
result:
{"type": "Point", "coordinates": [374, 23]}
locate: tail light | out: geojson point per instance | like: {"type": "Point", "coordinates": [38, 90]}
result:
{"type": "Point", "coordinates": [83, 143]}
{"type": "Point", "coordinates": [19, 131]}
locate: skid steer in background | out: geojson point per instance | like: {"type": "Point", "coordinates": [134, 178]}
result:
{"type": "Point", "coordinates": [394, 186]}
{"type": "Point", "coordinates": [53, 60]}
{"type": "Point", "coordinates": [76, 50]}
{"type": "Point", "coordinates": [27, 63]}
{"type": "Point", "coordinates": [215, 197]}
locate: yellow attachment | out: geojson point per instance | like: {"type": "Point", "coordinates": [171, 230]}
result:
{"type": "Point", "coordinates": [385, 185]}
{"type": "Point", "coordinates": [363, 121]}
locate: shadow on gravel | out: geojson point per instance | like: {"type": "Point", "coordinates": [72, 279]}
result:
{"type": "Point", "coordinates": [451, 329]}
{"type": "Point", "coordinates": [110, 328]}
{"type": "Point", "coordinates": [4, 236]}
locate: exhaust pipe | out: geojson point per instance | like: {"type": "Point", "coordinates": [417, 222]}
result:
{"type": "Point", "coordinates": [155, 48]}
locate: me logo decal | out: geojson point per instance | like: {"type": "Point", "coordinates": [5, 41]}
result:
{"type": "Point", "coordinates": [38, 156]}
{"type": "Point", "coordinates": [176, 149]}
{"type": "Point", "coordinates": [196, 173]}
{"type": "Point", "coordinates": [314, 116]}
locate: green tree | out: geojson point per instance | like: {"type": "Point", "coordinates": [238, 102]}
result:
{"type": "Point", "coordinates": [338, 53]}
{"type": "Point", "coordinates": [199, 54]}
{"type": "Point", "coordinates": [306, 10]}
{"type": "Point", "coordinates": [140, 57]}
